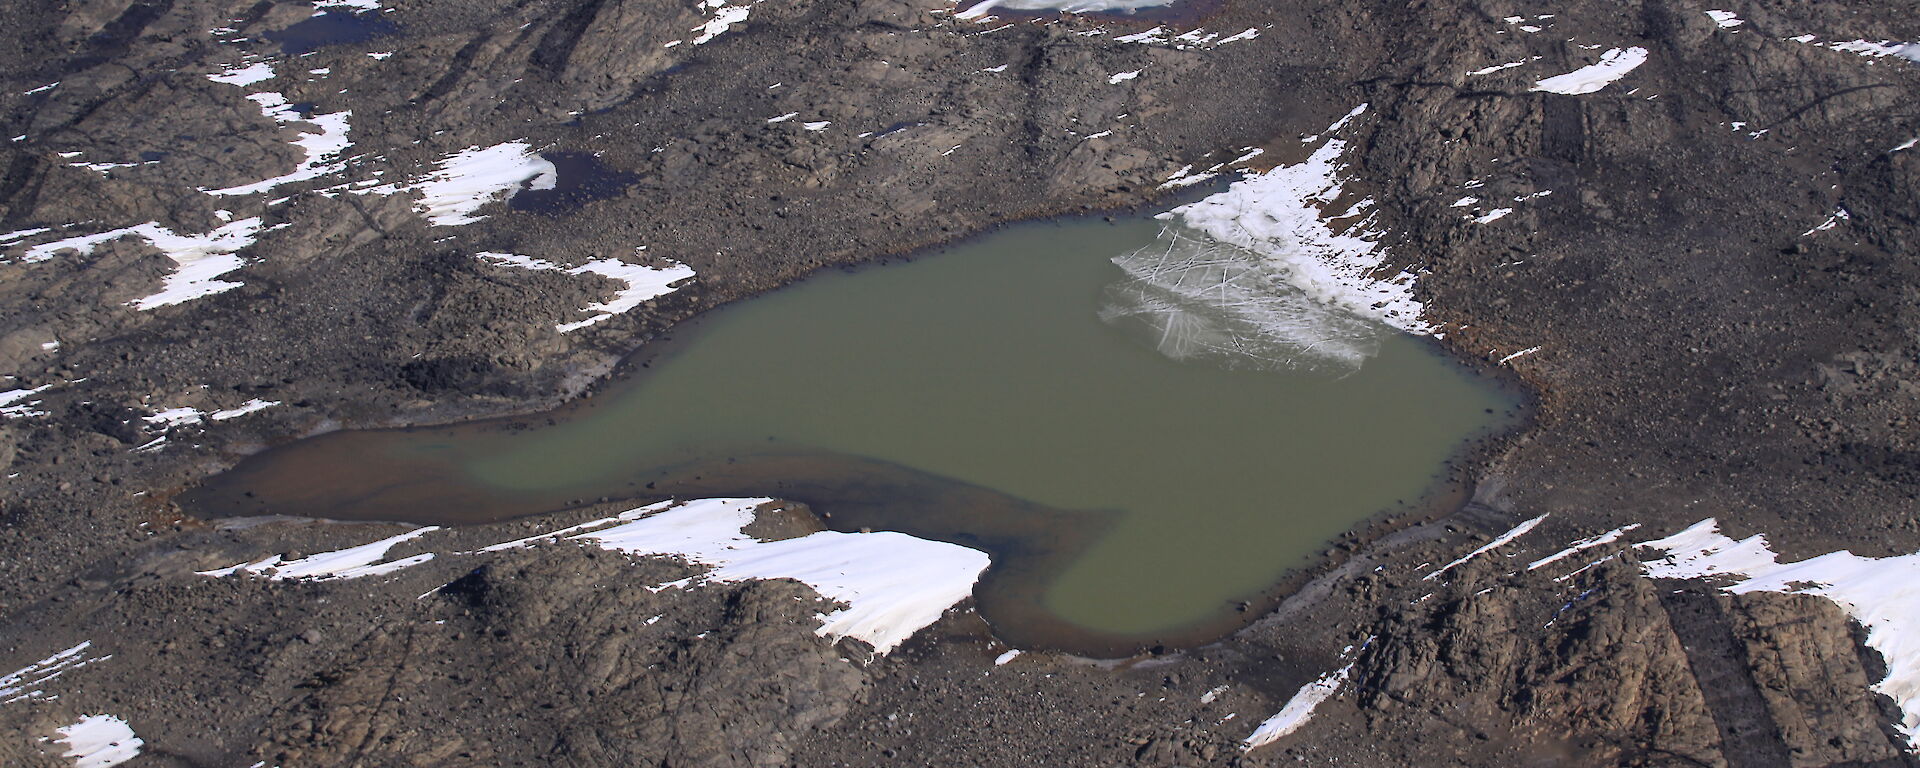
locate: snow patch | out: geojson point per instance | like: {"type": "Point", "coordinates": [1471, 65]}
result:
{"type": "Point", "coordinates": [15, 405]}
{"type": "Point", "coordinates": [1122, 77]}
{"type": "Point", "coordinates": [1498, 541]}
{"type": "Point", "coordinates": [1006, 657]}
{"type": "Point", "coordinates": [250, 406]}
{"type": "Point", "coordinates": [1064, 6]}
{"type": "Point", "coordinates": [1298, 709]}
{"type": "Point", "coordinates": [1496, 68]}
{"type": "Point", "coordinates": [1613, 65]}
{"type": "Point", "coordinates": [244, 74]}
{"type": "Point", "coordinates": [24, 683]}
{"type": "Point", "coordinates": [1582, 545]}
{"type": "Point", "coordinates": [198, 259]}
{"type": "Point", "coordinates": [1884, 48]}
{"type": "Point", "coordinates": [329, 142]}
{"type": "Point", "coordinates": [1839, 215]}
{"type": "Point", "coordinates": [350, 563]}
{"type": "Point", "coordinates": [466, 181]}
{"type": "Point", "coordinates": [642, 282]}
{"type": "Point", "coordinates": [99, 741]}
{"type": "Point", "coordinates": [893, 584]}
{"type": "Point", "coordinates": [724, 17]}
{"type": "Point", "coordinates": [1521, 353]}
{"type": "Point", "coordinates": [1726, 19]}
{"type": "Point", "coordinates": [22, 234]}
{"type": "Point", "coordinates": [1879, 593]}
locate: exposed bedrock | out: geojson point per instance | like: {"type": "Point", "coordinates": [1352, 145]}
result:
{"type": "Point", "coordinates": [1703, 269]}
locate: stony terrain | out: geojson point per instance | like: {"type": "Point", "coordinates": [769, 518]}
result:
{"type": "Point", "coordinates": [1704, 349]}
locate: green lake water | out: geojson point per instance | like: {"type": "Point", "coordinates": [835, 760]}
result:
{"type": "Point", "coordinates": [974, 396]}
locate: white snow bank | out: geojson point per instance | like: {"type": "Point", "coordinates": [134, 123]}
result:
{"type": "Point", "coordinates": [350, 563]}
{"type": "Point", "coordinates": [1496, 68]}
{"type": "Point", "coordinates": [1726, 19]}
{"type": "Point", "coordinates": [465, 181]}
{"type": "Point", "coordinates": [1492, 216]}
{"type": "Point", "coordinates": [15, 405]}
{"type": "Point", "coordinates": [1871, 49]}
{"type": "Point", "coordinates": [1281, 216]}
{"type": "Point", "coordinates": [99, 741]}
{"type": "Point", "coordinates": [244, 74]}
{"type": "Point", "coordinates": [198, 259]}
{"type": "Point", "coordinates": [1517, 355]}
{"type": "Point", "coordinates": [1498, 541]}
{"type": "Point", "coordinates": [893, 584]}
{"type": "Point", "coordinates": [1879, 593]}
{"type": "Point", "coordinates": [724, 17]}
{"type": "Point", "coordinates": [1064, 6]}
{"type": "Point", "coordinates": [173, 417]}
{"type": "Point", "coordinates": [329, 142]}
{"type": "Point", "coordinates": [1122, 77]}
{"type": "Point", "coordinates": [1613, 65]}
{"type": "Point", "coordinates": [1298, 710]}
{"type": "Point", "coordinates": [22, 234]}
{"type": "Point", "coordinates": [24, 683]}
{"type": "Point", "coordinates": [188, 415]}
{"type": "Point", "coordinates": [250, 406]}
{"type": "Point", "coordinates": [1582, 545]}
{"type": "Point", "coordinates": [642, 282]}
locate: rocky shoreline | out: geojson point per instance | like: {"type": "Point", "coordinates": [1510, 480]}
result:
{"type": "Point", "coordinates": [1700, 269]}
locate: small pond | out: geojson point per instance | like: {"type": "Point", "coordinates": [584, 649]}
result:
{"type": "Point", "coordinates": [1003, 394]}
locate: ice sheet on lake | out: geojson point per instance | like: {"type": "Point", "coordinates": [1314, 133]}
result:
{"type": "Point", "coordinates": [642, 282]}
{"type": "Point", "coordinates": [1613, 65]}
{"type": "Point", "coordinates": [99, 741]}
{"type": "Point", "coordinates": [1879, 593]}
{"type": "Point", "coordinates": [892, 584]}
{"type": "Point", "coordinates": [1205, 301]}
{"type": "Point", "coordinates": [1272, 272]}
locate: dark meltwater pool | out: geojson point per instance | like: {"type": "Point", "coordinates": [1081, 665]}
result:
{"type": "Point", "coordinates": [973, 396]}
